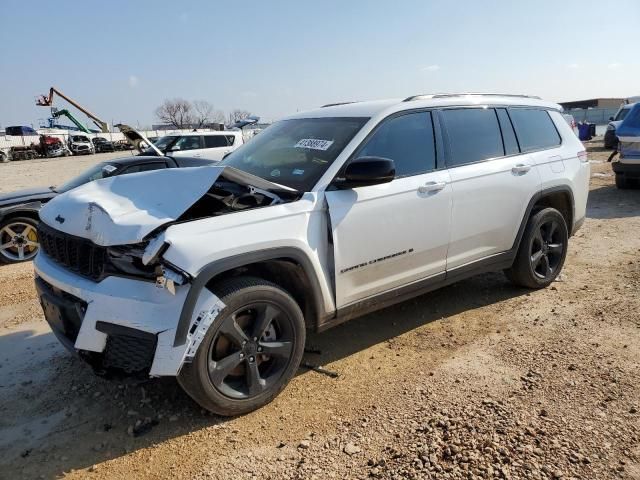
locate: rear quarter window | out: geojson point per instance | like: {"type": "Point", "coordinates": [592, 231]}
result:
{"type": "Point", "coordinates": [534, 128]}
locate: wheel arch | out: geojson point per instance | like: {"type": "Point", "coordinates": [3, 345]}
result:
{"type": "Point", "coordinates": [30, 211]}
{"type": "Point", "coordinates": [288, 267]}
{"type": "Point", "coordinates": [560, 198]}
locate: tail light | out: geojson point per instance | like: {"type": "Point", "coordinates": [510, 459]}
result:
{"type": "Point", "coordinates": [582, 155]}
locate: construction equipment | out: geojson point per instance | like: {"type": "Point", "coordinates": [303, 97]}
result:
{"type": "Point", "coordinates": [47, 101]}
{"type": "Point", "coordinates": [55, 113]}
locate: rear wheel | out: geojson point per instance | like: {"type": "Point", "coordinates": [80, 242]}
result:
{"type": "Point", "coordinates": [18, 240]}
{"type": "Point", "coordinates": [251, 351]}
{"type": "Point", "coordinates": [542, 250]}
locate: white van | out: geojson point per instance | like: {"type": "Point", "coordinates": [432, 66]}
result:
{"type": "Point", "coordinates": [209, 145]}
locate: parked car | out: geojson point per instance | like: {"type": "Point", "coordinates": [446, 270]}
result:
{"type": "Point", "coordinates": [324, 216]}
{"type": "Point", "coordinates": [101, 144]}
{"type": "Point", "coordinates": [19, 210]}
{"type": "Point", "coordinates": [20, 131]}
{"type": "Point", "coordinates": [80, 145]}
{"type": "Point", "coordinates": [122, 145]}
{"type": "Point", "coordinates": [627, 166]}
{"type": "Point", "coordinates": [610, 138]}
{"type": "Point", "coordinates": [210, 145]}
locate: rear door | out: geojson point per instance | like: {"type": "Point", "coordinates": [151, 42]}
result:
{"type": "Point", "coordinates": [188, 146]}
{"type": "Point", "coordinates": [386, 236]}
{"type": "Point", "coordinates": [217, 146]}
{"type": "Point", "coordinates": [491, 180]}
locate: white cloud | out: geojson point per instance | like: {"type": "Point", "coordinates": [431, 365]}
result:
{"type": "Point", "coordinates": [431, 68]}
{"type": "Point", "coordinates": [614, 65]}
{"type": "Point", "coordinates": [133, 81]}
{"type": "Point", "coordinates": [573, 65]}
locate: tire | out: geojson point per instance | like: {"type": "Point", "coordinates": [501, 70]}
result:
{"type": "Point", "coordinates": [222, 374]}
{"type": "Point", "coordinates": [26, 229]}
{"type": "Point", "coordinates": [622, 182]}
{"type": "Point", "coordinates": [542, 250]}
{"type": "Point", "coordinates": [4, 158]}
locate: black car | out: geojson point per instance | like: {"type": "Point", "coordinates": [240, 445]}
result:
{"type": "Point", "coordinates": [19, 210]}
{"type": "Point", "coordinates": [102, 145]}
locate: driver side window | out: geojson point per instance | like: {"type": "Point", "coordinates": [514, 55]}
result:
{"type": "Point", "coordinates": [408, 140]}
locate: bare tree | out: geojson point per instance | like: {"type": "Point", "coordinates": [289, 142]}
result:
{"type": "Point", "coordinates": [236, 115]}
{"type": "Point", "coordinates": [205, 113]}
{"type": "Point", "coordinates": [177, 112]}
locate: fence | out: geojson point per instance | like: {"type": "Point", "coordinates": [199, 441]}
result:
{"type": "Point", "coordinates": [7, 141]}
{"type": "Point", "coordinates": [599, 116]}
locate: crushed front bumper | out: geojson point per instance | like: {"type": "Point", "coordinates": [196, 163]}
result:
{"type": "Point", "coordinates": [119, 323]}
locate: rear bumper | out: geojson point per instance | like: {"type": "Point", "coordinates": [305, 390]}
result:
{"type": "Point", "coordinates": [628, 170]}
{"type": "Point", "coordinates": [119, 325]}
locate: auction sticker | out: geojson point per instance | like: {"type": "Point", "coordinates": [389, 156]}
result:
{"type": "Point", "coordinates": [314, 144]}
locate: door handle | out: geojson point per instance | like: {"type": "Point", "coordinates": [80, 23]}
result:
{"type": "Point", "coordinates": [432, 187]}
{"type": "Point", "coordinates": [521, 168]}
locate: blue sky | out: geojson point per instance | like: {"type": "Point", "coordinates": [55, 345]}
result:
{"type": "Point", "coordinates": [123, 58]}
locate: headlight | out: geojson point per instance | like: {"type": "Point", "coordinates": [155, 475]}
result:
{"type": "Point", "coordinates": [127, 259]}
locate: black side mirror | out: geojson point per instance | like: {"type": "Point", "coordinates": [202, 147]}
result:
{"type": "Point", "coordinates": [611, 119]}
{"type": "Point", "coordinates": [365, 171]}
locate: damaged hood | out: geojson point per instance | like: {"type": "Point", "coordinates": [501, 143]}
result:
{"type": "Point", "coordinates": [125, 209]}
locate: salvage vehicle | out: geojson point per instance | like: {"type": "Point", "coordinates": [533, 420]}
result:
{"type": "Point", "coordinates": [214, 274]}
{"type": "Point", "coordinates": [610, 138]}
{"type": "Point", "coordinates": [101, 144]}
{"type": "Point", "coordinates": [210, 145]}
{"type": "Point", "coordinates": [627, 166]}
{"type": "Point", "coordinates": [19, 210]}
{"type": "Point", "coordinates": [80, 145]}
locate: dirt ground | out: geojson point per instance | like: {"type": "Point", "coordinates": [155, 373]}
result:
{"type": "Point", "coordinates": [477, 380]}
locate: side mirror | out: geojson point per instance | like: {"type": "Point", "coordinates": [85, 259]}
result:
{"type": "Point", "coordinates": [365, 171]}
{"type": "Point", "coordinates": [611, 119]}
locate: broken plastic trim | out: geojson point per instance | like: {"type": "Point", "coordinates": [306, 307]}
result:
{"type": "Point", "coordinates": [201, 325]}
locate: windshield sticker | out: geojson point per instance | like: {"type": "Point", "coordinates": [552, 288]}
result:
{"type": "Point", "coordinates": [275, 173]}
{"type": "Point", "coordinates": [314, 144]}
{"type": "Point", "coordinates": [109, 168]}
{"type": "Point", "coordinates": [297, 171]}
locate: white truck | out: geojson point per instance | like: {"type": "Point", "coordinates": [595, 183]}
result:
{"type": "Point", "coordinates": [214, 274]}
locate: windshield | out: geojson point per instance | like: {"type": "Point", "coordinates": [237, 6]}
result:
{"type": "Point", "coordinates": [296, 152]}
{"type": "Point", "coordinates": [78, 138]}
{"type": "Point", "coordinates": [162, 144]}
{"type": "Point", "coordinates": [622, 113]}
{"type": "Point", "coordinates": [101, 170]}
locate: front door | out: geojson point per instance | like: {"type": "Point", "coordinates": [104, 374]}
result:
{"type": "Point", "coordinates": [386, 236]}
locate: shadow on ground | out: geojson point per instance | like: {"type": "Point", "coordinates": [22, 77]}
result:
{"type": "Point", "coordinates": [87, 418]}
{"type": "Point", "coordinates": [609, 202]}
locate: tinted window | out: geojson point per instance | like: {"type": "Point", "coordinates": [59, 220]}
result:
{"type": "Point", "coordinates": [145, 167]}
{"type": "Point", "coordinates": [508, 135]}
{"type": "Point", "coordinates": [473, 135]}
{"type": "Point", "coordinates": [215, 141]}
{"type": "Point", "coordinates": [534, 128]}
{"type": "Point", "coordinates": [407, 140]}
{"type": "Point", "coordinates": [231, 139]}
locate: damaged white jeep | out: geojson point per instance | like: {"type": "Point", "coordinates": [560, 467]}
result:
{"type": "Point", "coordinates": [214, 274]}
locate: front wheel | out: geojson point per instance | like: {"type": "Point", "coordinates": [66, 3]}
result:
{"type": "Point", "coordinates": [250, 352]}
{"type": "Point", "coordinates": [18, 239]}
{"type": "Point", "coordinates": [542, 250]}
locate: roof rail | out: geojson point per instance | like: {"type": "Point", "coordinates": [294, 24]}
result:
{"type": "Point", "coordinates": [336, 104]}
{"type": "Point", "coordinates": [446, 95]}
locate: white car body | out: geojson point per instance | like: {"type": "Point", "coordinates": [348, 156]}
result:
{"type": "Point", "coordinates": [359, 249]}
{"type": "Point", "coordinates": [80, 144]}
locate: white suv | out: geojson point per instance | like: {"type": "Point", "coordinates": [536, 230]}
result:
{"type": "Point", "coordinates": [214, 274]}
{"type": "Point", "coordinates": [208, 145]}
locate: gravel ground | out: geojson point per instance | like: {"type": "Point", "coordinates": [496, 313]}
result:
{"type": "Point", "coordinates": [477, 380]}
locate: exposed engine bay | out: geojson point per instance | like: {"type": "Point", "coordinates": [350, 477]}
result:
{"type": "Point", "coordinates": [227, 196]}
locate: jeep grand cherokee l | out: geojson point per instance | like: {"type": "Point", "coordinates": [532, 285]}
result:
{"type": "Point", "coordinates": [214, 274]}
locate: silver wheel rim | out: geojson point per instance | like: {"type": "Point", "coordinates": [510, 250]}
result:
{"type": "Point", "coordinates": [17, 241]}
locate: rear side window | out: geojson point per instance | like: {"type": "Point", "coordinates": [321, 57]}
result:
{"type": "Point", "coordinates": [407, 140]}
{"type": "Point", "coordinates": [216, 141]}
{"type": "Point", "coordinates": [473, 135]}
{"type": "Point", "coordinates": [534, 128]}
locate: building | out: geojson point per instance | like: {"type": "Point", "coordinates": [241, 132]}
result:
{"type": "Point", "coordinates": [594, 103]}
{"type": "Point", "coordinates": [594, 110]}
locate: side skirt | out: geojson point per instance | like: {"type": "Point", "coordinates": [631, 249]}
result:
{"type": "Point", "coordinates": [494, 263]}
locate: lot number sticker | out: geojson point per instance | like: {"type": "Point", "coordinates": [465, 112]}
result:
{"type": "Point", "coordinates": [314, 144]}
